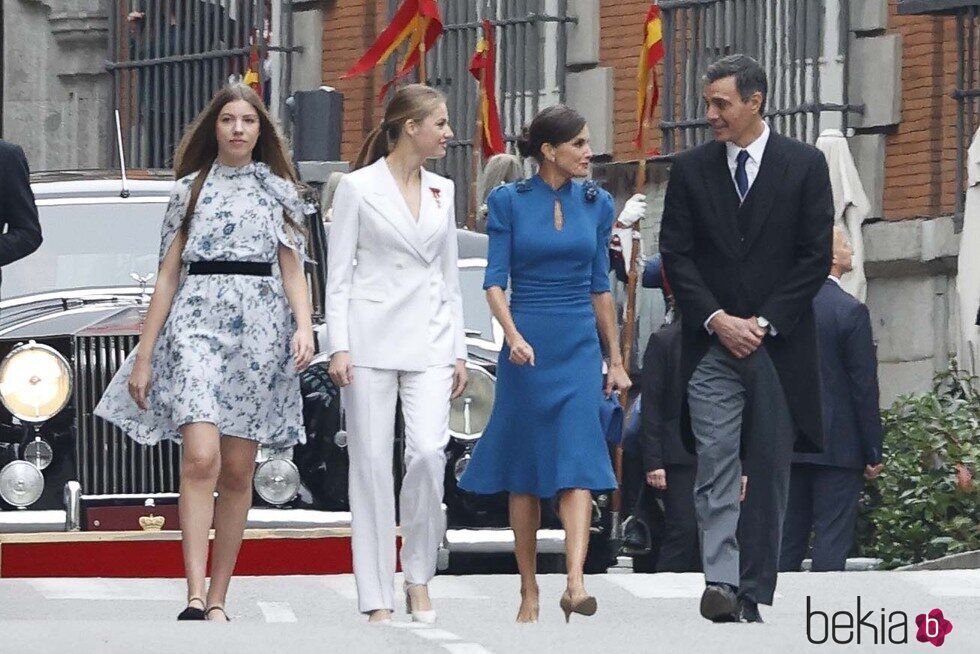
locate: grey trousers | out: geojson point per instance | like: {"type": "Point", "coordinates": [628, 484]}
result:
{"type": "Point", "coordinates": [740, 542]}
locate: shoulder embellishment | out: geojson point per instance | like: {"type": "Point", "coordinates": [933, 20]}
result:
{"type": "Point", "coordinates": [591, 190]}
{"type": "Point", "coordinates": [522, 185]}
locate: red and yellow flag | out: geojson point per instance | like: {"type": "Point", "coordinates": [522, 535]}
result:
{"type": "Point", "coordinates": [252, 76]}
{"type": "Point", "coordinates": [483, 68]}
{"type": "Point", "coordinates": [419, 23]}
{"type": "Point", "coordinates": [650, 54]}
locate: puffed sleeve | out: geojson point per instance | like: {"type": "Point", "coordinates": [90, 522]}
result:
{"type": "Point", "coordinates": [174, 215]}
{"type": "Point", "coordinates": [600, 264]}
{"type": "Point", "coordinates": [499, 231]}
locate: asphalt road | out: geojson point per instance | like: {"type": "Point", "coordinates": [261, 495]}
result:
{"type": "Point", "coordinates": [637, 613]}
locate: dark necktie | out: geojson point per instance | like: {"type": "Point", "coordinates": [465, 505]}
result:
{"type": "Point", "coordinates": [741, 177]}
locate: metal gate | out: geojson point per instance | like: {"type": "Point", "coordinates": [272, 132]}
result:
{"type": "Point", "coordinates": [802, 44]}
{"type": "Point", "coordinates": [530, 38]}
{"type": "Point", "coordinates": [168, 57]}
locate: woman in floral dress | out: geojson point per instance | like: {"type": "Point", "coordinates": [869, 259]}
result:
{"type": "Point", "coordinates": [227, 331]}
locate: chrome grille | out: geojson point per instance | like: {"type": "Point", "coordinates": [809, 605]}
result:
{"type": "Point", "coordinates": [108, 461]}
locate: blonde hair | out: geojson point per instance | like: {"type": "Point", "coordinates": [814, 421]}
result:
{"type": "Point", "coordinates": [198, 148]}
{"type": "Point", "coordinates": [410, 102]}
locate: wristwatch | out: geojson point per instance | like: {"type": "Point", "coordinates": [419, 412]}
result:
{"type": "Point", "coordinates": [762, 322]}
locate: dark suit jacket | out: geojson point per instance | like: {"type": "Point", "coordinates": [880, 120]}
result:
{"type": "Point", "coordinates": [660, 411]}
{"type": "Point", "coordinates": [849, 380]}
{"type": "Point", "coordinates": [773, 270]}
{"type": "Point", "coordinates": [18, 214]}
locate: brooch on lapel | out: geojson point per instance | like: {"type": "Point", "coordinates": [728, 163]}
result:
{"type": "Point", "coordinates": [436, 192]}
{"type": "Point", "coordinates": [522, 186]}
{"type": "Point", "coordinates": [591, 190]}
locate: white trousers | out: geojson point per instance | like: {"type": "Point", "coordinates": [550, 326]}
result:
{"type": "Point", "coordinates": [370, 405]}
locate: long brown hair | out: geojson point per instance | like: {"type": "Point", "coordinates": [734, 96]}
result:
{"type": "Point", "coordinates": [198, 148]}
{"type": "Point", "coordinates": [410, 102]}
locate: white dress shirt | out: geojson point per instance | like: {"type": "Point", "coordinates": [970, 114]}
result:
{"type": "Point", "coordinates": [755, 149]}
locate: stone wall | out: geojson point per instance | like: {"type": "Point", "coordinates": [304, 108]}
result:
{"type": "Point", "coordinates": [57, 95]}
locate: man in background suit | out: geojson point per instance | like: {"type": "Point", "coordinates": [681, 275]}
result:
{"type": "Point", "coordinates": [746, 241]}
{"type": "Point", "coordinates": [824, 489]}
{"type": "Point", "coordinates": [20, 231]}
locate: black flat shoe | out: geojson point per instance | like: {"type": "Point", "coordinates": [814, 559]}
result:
{"type": "Point", "coordinates": [192, 612]}
{"type": "Point", "coordinates": [719, 603]}
{"type": "Point", "coordinates": [750, 611]}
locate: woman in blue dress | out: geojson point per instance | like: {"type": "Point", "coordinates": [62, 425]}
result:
{"type": "Point", "coordinates": [550, 236]}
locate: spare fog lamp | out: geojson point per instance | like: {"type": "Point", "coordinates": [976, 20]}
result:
{"type": "Point", "coordinates": [21, 483]}
{"type": "Point", "coordinates": [39, 453]}
{"type": "Point", "coordinates": [470, 413]}
{"type": "Point", "coordinates": [35, 382]}
{"type": "Point", "coordinates": [277, 481]}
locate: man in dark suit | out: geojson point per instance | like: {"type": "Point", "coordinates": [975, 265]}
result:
{"type": "Point", "coordinates": [21, 231]}
{"type": "Point", "coordinates": [746, 241]}
{"type": "Point", "coordinates": [824, 489]}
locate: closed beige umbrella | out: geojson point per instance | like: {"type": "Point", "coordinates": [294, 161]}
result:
{"type": "Point", "coordinates": [851, 205]}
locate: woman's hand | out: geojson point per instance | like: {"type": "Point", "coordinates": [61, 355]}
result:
{"type": "Point", "coordinates": [521, 351]}
{"type": "Point", "coordinates": [617, 379]}
{"type": "Point", "coordinates": [657, 478]}
{"type": "Point", "coordinates": [460, 379]}
{"type": "Point", "coordinates": [341, 371]}
{"type": "Point", "coordinates": [139, 382]}
{"type": "Point", "coordinates": [303, 348]}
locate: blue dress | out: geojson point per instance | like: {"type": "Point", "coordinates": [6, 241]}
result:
{"type": "Point", "coordinates": [544, 434]}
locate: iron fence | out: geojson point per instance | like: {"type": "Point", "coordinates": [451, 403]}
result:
{"type": "Point", "coordinates": [168, 57]}
{"type": "Point", "coordinates": [802, 44]}
{"type": "Point", "coordinates": [530, 39]}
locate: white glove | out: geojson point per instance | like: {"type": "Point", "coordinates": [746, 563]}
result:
{"type": "Point", "coordinates": [635, 208]}
{"type": "Point", "coordinates": [627, 237]}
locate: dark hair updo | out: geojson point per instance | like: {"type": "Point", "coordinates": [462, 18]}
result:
{"type": "Point", "coordinates": [556, 124]}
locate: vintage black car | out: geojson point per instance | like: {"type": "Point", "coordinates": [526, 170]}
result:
{"type": "Point", "coordinates": [72, 311]}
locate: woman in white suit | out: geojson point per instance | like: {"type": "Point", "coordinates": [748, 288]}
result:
{"type": "Point", "coordinates": [395, 329]}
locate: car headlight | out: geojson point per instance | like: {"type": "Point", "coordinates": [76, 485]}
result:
{"type": "Point", "coordinates": [39, 453]}
{"type": "Point", "coordinates": [469, 413]}
{"type": "Point", "coordinates": [35, 382]}
{"type": "Point", "coordinates": [21, 483]}
{"type": "Point", "coordinates": [277, 481]}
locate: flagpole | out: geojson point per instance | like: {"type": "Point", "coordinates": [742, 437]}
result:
{"type": "Point", "coordinates": [628, 331]}
{"type": "Point", "coordinates": [423, 77]}
{"type": "Point", "coordinates": [477, 152]}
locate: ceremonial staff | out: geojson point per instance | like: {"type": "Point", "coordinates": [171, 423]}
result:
{"type": "Point", "coordinates": [651, 53]}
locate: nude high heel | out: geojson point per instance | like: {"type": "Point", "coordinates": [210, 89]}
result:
{"type": "Point", "coordinates": [585, 606]}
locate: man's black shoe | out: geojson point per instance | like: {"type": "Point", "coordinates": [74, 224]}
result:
{"type": "Point", "coordinates": [719, 603]}
{"type": "Point", "coordinates": [750, 611]}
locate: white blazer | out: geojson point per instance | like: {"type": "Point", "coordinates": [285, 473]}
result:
{"type": "Point", "coordinates": [393, 298]}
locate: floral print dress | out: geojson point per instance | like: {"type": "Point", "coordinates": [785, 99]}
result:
{"type": "Point", "coordinates": [223, 355]}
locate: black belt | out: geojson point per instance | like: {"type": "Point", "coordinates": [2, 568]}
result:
{"type": "Point", "coordinates": [257, 268]}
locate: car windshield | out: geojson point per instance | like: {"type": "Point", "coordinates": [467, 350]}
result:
{"type": "Point", "coordinates": [96, 245]}
{"type": "Point", "coordinates": [476, 312]}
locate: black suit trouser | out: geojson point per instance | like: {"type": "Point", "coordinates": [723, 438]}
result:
{"type": "Point", "coordinates": [823, 500]}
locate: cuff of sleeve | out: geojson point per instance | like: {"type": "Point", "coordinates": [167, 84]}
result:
{"type": "Point", "coordinates": [707, 322]}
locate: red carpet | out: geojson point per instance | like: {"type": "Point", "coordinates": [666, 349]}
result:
{"type": "Point", "coordinates": [149, 554]}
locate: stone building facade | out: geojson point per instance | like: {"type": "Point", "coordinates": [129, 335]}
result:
{"type": "Point", "coordinates": [56, 92]}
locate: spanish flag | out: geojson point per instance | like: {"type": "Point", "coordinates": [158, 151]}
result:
{"type": "Point", "coordinates": [650, 54]}
{"type": "Point", "coordinates": [419, 23]}
{"type": "Point", "coordinates": [482, 67]}
{"type": "Point", "coordinates": [252, 76]}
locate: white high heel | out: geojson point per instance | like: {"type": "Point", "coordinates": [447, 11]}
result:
{"type": "Point", "coordinates": [425, 617]}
